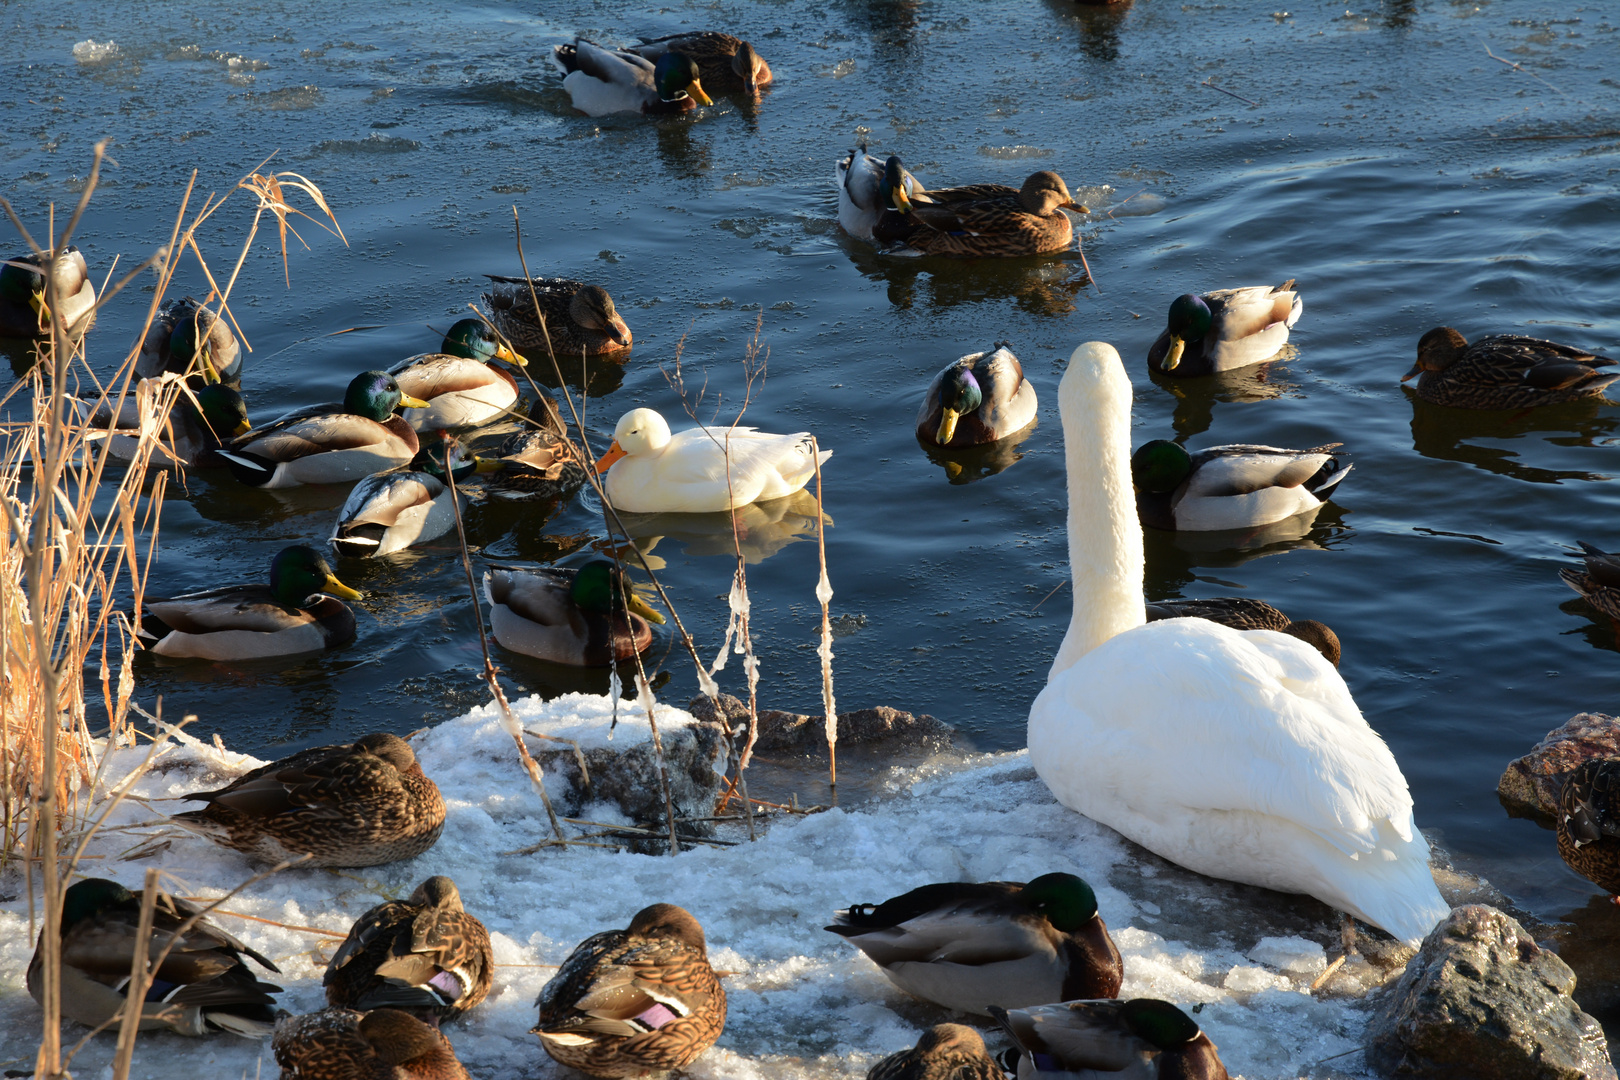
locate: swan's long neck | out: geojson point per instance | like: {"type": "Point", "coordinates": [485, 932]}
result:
{"type": "Point", "coordinates": [1105, 540]}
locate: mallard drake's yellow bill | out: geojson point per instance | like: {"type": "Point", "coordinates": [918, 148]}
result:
{"type": "Point", "coordinates": [242, 428]}
{"type": "Point", "coordinates": [947, 425]}
{"type": "Point", "coordinates": [338, 589]}
{"type": "Point", "coordinates": [614, 453]}
{"type": "Point", "coordinates": [1173, 357]}
{"type": "Point", "coordinates": [641, 607]}
{"type": "Point", "coordinates": [408, 402]}
{"type": "Point", "coordinates": [503, 353]}
{"type": "Point", "coordinates": [485, 465]}
{"type": "Point", "coordinates": [696, 90]}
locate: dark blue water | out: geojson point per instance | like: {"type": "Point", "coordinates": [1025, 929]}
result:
{"type": "Point", "coordinates": [1388, 157]}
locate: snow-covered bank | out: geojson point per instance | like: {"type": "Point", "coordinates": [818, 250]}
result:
{"type": "Point", "coordinates": [802, 1002]}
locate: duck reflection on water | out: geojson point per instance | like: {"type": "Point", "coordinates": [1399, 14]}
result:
{"type": "Point", "coordinates": [1043, 285]}
{"type": "Point", "coordinates": [1449, 435]}
{"type": "Point", "coordinates": [974, 463]}
{"type": "Point", "coordinates": [762, 529]}
{"type": "Point", "coordinates": [1196, 398]}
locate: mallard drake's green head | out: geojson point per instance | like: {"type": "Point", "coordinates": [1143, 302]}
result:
{"type": "Point", "coordinates": [22, 282]}
{"type": "Point", "coordinates": [89, 898]}
{"type": "Point", "coordinates": [221, 410]}
{"type": "Point", "coordinates": [432, 460]}
{"type": "Point", "coordinates": [471, 339]}
{"type": "Point", "coordinates": [375, 395]}
{"type": "Point", "coordinates": [959, 395]}
{"type": "Point", "coordinates": [1190, 320]}
{"type": "Point", "coordinates": [675, 76]}
{"type": "Point", "coordinates": [749, 66]}
{"type": "Point", "coordinates": [1045, 192]}
{"type": "Point", "coordinates": [1437, 350]}
{"type": "Point", "coordinates": [1066, 900]}
{"type": "Point", "coordinates": [1160, 466]}
{"type": "Point", "coordinates": [596, 588]}
{"type": "Point", "coordinates": [1160, 1023]}
{"type": "Point", "coordinates": [299, 572]}
{"type": "Point", "coordinates": [592, 308]}
{"type": "Point", "coordinates": [893, 186]}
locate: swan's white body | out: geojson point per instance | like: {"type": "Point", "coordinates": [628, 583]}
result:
{"type": "Point", "coordinates": [686, 472]}
{"type": "Point", "coordinates": [1237, 754]}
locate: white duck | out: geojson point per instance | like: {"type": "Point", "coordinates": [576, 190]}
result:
{"type": "Point", "coordinates": [654, 472]}
{"type": "Point", "coordinates": [1237, 754]}
{"type": "Point", "coordinates": [867, 187]}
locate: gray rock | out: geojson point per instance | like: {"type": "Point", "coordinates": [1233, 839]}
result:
{"type": "Point", "coordinates": [780, 731]}
{"type": "Point", "coordinates": [628, 776]}
{"type": "Point", "coordinates": [1530, 785]}
{"type": "Point", "coordinates": [1482, 1000]}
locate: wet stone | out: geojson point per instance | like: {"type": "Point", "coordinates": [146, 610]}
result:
{"type": "Point", "coordinates": [1530, 785]}
{"type": "Point", "coordinates": [879, 726]}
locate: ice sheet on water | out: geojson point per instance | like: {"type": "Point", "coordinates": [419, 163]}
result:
{"type": "Point", "coordinates": [95, 52]}
{"type": "Point", "coordinates": [803, 1004]}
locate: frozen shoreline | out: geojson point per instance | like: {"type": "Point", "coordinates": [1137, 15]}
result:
{"type": "Point", "coordinates": [802, 1003]}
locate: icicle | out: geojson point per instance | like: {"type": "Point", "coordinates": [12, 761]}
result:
{"type": "Point", "coordinates": [615, 690]}
{"type": "Point", "coordinates": [824, 594]}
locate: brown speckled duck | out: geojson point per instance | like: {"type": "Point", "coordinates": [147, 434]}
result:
{"type": "Point", "coordinates": [726, 64]}
{"type": "Point", "coordinates": [1504, 371]}
{"type": "Point", "coordinates": [1243, 613]}
{"type": "Point", "coordinates": [355, 805]}
{"type": "Point", "coordinates": [204, 984]}
{"type": "Point", "coordinates": [536, 460]}
{"type": "Point", "coordinates": [1028, 943]}
{"type": "Point", "coordinates": [1143, 1038]}
{"type": "Point", "coordinates": [1599, 584]}
{"type": "Point", "coordinates": [945, 1052]}
{"type": "Point", "coordinates": [385, 1044]}
{"type": "Point", "coordinates": [635, 1001]}
{"type": "Point", "coordinates": [578, 316]}
{"type": "Point", "coordinates": [985, 220]}
{"type": "Point", "coordinates": [424, 955]}
{"type": "Point", "coordinates": [1589, 823]}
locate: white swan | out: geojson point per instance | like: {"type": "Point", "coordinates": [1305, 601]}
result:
{"type": "Point", "coordinates": [650, 471]}
{"type": "Point", "coordinates": [1238, 754]}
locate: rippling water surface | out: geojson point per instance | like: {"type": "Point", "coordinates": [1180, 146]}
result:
{"type": "Point", "coordinates": [1390, 158]}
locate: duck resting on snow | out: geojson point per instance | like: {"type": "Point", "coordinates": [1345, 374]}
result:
{"type": "Point", "coordinates": [1143, 1038]}
{"type": "Point", "coordinates": [945, 1052]}
{"type": "Point", "coordinates": [1236, 754]}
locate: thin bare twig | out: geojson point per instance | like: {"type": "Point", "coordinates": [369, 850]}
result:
{"type": "Point", "coordinates": [1518, 67]}
{"type": "Point", "coordinates": [1228, 93]}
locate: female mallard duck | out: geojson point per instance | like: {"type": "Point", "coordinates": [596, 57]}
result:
{"type": "Point", "coordinates": [697, 471]}
{"type": "Point", "coordinates": [1600, 584]}
{"type": "Point", "coordinates": [1243, 613]}
{"type": "Point", "coordinates": [461, 384]}
{"type": "Point", "coordinates": [1237, 754]}
{"type": "Point", "coordinates": [384, 1044]}
{"type": "Point", "coordinates": [329, 444]}
{"type": "Point", "coordinates": [390, 511]}
{"type": "Point", "coordinates": [568, 616]}
{"type": "Point", "coordinates": [578, 317]}
{"type": "Point", "coordinates": [1225, 329]}
{"type": "Point", "coordinates": [726, 64]}
{"type": "Point", "coordinates": [360, 804]}
{"type": "Point", "coordinates": [537, 460]}
{"type": "Point", "coordinates": [867, 188]}
{"type": "Point", "coordinates": [25, 310]}
{"type": "Point", "coordinates": [298, 612]}
{"type": "Point", "coordinates": [202, 986]}
{"type": "Point", "coordinates": [945, 1052]}
{"type": "Point", "coordinates": [1240, 486]}
{"type": "Point", "coordinates": [424, 955]}
{"type": "Point", "coordinates": [986, 220]}
{"type": "Point", "coordinates": [602, 81]}
{"type": "Point", "coordinates": [630, 1002]}
{"type": "Point", "coordinates": [1589, 823]}
{"type": "Point", "coordinates": [187, 338]}
{"type": "Point", "coordinates": [1142, 1038]}
{"type": "Point", "coordinates": [1504, 371]}
{"type": "Point", "coordinates": [1024, 944]}
{"type": "Point", "coordinates": [979, 399]}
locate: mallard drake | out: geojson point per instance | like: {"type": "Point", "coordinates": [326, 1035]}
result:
{"type": "Point", "coordinates": [867, 188]}
{"type": "Point", "coordinates": [1589, 823]}
{"type": "Point", "coordinates": [979, 399]}
{"type": "Point", "coordinates": [568, 616]}
{"type": "Point", "coordinates": [1018, 944]}
{"type": "Point", "coordinates": [359, 804]}
{"type": "Point", "coordinates": [603, 81]}
{"type": "Point", "coordinates": [24, 308]}
{"type": "Point", "coordinates": [384, 1044]}
{"type": "Point", "coordinates": [945, 1052]}
{"type": "Point", "coordinates": [189, 338]}
{"type": "Point", "coordinates": [1599, 585]}
{"type": "Point", "coordinates": [536, 460]}
{"type": "Point", "coordinates": [578, 317]}
{"type": "Point", "coordinates": [201, 418]}
{"type": "Point", "coordinates": [726, 64]}
{"type": "Point", "coordinates": [1243, 613]}
{"type": "Point", "coordinates": [202, 986]}
{"type": "Point", "coordinates": [654, 472]}
{"type": "Point", "coordinates": [298, 612]}
{"type": "Point", "coordinates": [629, 1002]}
{"type": "Point", "coordinates": [986, 220]}
{"type": "Point", "coordinates": [461, 384]}
{"type": "Point", "coordinates": [329, 444]}
{"type": "Point", "coordinates": [388, 512]}
{"type": "Point", "coordinates": [1504, 371]}
{"type": "Point", "coordinates": [424, 955]}
{"type": "Point", "coordinates": [1240, 755]}
{"type": "Point", "coordinates": [1239, 486]}
{"type": "Point", "coordinates": [1225, 329]}
{"type": "Point", "coordinates": [1142, 1038]}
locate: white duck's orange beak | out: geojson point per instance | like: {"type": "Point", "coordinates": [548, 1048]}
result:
{"type": "Point", "coordinates": [614, 453]}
